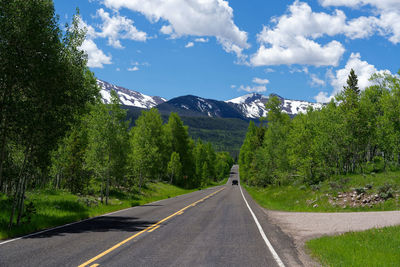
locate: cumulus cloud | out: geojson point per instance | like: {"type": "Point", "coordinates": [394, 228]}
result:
{"type": "Point", "coordinates": [190, 44]}
{"type": "Point", "coordinates": [253, 89]}
{"type": "Point", "coordinates": [118, 27]}
{"type": "Point", "coordinates": [362, 69]}
{"type": "Point", "coordinates": [194, 17]}
{"type": "Point", "coordinates": [96, 57]}
{"type": "Point", "coordinates": [387, 23]}
{"type": "Point", "coordinates": [260, 81]}
{"type": "Point", "coordinates": [292, 40]}
{"type": "Point", "coordinates": [323, 97]}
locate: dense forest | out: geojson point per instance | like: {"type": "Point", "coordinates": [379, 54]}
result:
{"type": "Point", "coordinates": [357, 132]}
{"type": "Point", "coordinates": [225, 134]}
{"type": "Point", "coordinates": [56, 133]}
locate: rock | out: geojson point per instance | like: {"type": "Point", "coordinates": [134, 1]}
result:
{"type": "Point", "coordinates": [358, 197]}
{"type": "Point", "coordinates": [315, 206]}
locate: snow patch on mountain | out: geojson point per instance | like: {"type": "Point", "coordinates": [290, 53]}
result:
{"type": "Point", "coordinates": [253, 105]}
{"type": "Point", "coordinates": [128, 97]}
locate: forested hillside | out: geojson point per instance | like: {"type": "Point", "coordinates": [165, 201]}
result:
{"type": "Point", "coordinates": [225, 134]}
{"type": "Point", "coordinates": [56, 134]}
{"type": "Point", "coordinates": [357, 132]}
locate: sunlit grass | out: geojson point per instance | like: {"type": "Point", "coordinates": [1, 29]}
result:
{"type": "Point", "coordinates": [376, 247]}
{"type": "Point", "coordinates": [304, 198]}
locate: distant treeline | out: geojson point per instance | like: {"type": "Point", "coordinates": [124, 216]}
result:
{"type": "Point", "coordinates": [55, 132]}
{"type": "Point", "coordinates": [225, 134]}
{"type": "Point", "coordinates": [357, 132]}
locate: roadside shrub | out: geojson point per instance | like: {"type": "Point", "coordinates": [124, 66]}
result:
{"type": "Point", "coordinates": [378, 163]}
{"type": "Point", "coordinates": [359, 190]}
{"type": "Point", "coordinates": [386, 191]}
{"type": "Point", "coordinates": [315, 187]}
{"type": "Point", "coordinates": [302, 187]}
{"type": "Point", "coordinates": [368, 186]}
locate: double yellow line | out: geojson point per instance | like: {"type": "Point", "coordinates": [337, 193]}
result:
{"type": "Point", "coordinates": [148, 229]}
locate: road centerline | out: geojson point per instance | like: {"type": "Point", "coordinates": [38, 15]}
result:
{"type": "Point", "coordinates": [148, 229]}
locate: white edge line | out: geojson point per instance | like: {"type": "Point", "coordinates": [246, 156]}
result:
{"type": "Point", "coordinates": [269, 245]}
{"type": "Point", "coordinates": [84, 220]}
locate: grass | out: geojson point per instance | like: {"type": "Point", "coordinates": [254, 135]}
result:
{"type": "Point", "coordinates": [304, 198]}
{"type": "Point", "coordinates": [54, 208]}
{"type": "Point", "coordinates": [376, 247]}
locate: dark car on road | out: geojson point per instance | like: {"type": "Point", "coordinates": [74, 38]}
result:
{"type": "Point", "coordinates": [235, 182]}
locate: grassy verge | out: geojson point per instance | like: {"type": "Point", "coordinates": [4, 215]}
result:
{"type": "Point", "coordinates": [55, 208]}
{"type": "Point", "coordinates": [376, 247]}
{"type": "Point", "coordinates": [327, 196]}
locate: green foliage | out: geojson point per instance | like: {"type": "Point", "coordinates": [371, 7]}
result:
{"type": "Point", "coordinates": [44, 86]}
{"type": "Point", "coordinates": [303, 197]}
{"type": "Point", "coordinates": [357, 132]}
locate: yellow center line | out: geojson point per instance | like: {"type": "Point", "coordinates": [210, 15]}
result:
{"type": "Point", "coordinates": [94, 265]}
{"type": "Point", "coordinates": [152, 229]}
{"type": "Point", "coordinates": [148, 229]}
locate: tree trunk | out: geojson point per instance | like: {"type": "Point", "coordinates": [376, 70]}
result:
{"type": "Point", "coordinates": [3, 153]}
{"type": "Point", "coordinates": [15, 203]}
{"type": "Point", "coordinates": [21, 203]}
{"type": "Point", "coordinates": [18, 190]}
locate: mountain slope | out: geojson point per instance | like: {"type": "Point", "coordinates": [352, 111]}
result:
{"type": "Point", "coordinates": [253, 105]}
{"type": "Point", "coordinates": [190, 105]}
{"type": "Point", "coordinates": [128, 97]}
{"type": "Point", "coordinates": [246, 107]}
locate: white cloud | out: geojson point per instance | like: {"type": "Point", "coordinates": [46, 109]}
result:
{"type": "Point", "coordinates": [269, 70]}
{"type": "Point", "coordinates": [260, 81]}
{"type": "Point", "coordinates": [118, 27]}
{"type": "Point", "coordinates": [387, 23]}
{"type": "Point", "coordinates": [315, 81]}
{"type": "Point", "coordinates": [253, 89]}
{"type": "Point", "coordinates": [194, 17]}
{"type": "Point", "coordinates": [117, 69]}
{"type": "Point", "coordinates": [201, 40]}
{"type": "Point", "coordinates": [96, 57]}
{"type": "Point", "coordinates": [323, 97]}
{"type": "Point", "coordinates": [233, 86]}
{"type": "Point", "coordinates": [190, 44]}
{"type": "Point", "coordinates": [362, 69]}
{"type": "Point", "coordinates": [167, 29]}
{"type": "Point", "coordinates": [292, 40]}
{"type": "Point", "coordinates": [134, 68]}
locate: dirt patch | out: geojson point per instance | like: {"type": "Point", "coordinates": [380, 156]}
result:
{"type": "Point", "coordinates": [302, 226]}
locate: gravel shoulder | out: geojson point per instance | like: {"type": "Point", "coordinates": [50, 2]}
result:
{"type": "Point", "coordinates": [303, 226]}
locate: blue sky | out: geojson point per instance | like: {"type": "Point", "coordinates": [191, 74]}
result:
{"type": "Point", "coordinates": [223, 49]}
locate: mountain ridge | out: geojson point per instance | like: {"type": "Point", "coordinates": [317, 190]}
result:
{"type": "Point", "coordinates": [246, 107]}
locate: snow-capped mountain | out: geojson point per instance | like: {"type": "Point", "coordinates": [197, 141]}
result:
{"type": "Point", "coordinates": [128, 97]}
{"type": "Point", "coordinates": [250, 106]}
{"type": "Point", "coordinates": [253, 105]}
{"type": "Point", "coordinates": [197, 106]}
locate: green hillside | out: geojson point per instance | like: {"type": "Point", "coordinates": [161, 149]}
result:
{"type": "Point", "coordinates": [225, 134]}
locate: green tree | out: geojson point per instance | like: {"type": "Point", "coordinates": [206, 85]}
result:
{"type": "Point", "coordinates": [174, 167]}
{"type": "Point", "coordinates": [181, 144]}
{"type": "Point", "coordinates": [148, 148]}
{"type": "Point", "coordinates": [44, 83]}
{"type": "Point", "coordinates": [107, 137]}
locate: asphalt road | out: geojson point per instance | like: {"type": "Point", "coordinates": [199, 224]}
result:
{"type": "Point", "coordinates": [211, 227]}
